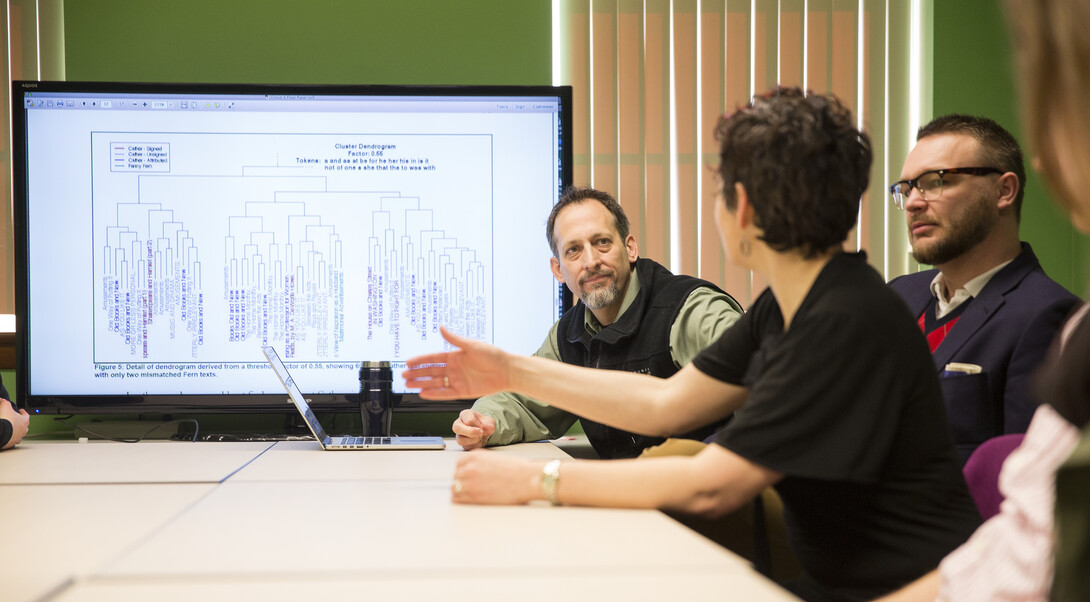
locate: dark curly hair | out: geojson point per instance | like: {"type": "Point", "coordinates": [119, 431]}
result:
{"type": "Point", "coordinates": [998, 148]}
{"type": "Point", "coordinates": [804, 166]}
{"type": "Point", "coordinates": [578, 194]}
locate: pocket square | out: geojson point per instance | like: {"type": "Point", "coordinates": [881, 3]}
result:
{"type": "Point", "coordinates": [963, 368]}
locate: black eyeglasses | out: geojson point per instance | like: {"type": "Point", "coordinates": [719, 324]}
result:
{"type": "Point", "coordinates": [930, 183]}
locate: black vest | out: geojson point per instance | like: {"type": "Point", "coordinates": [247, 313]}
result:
{"type": "Point", "coordinates": [639, 341]}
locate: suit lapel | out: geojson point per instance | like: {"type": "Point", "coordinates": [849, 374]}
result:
{"type": "Point", "coordinates": [973, 319]}
{"type": "Point", "coordinates": [984, 306]}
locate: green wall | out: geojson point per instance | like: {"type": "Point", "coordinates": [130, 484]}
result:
{"type": "Point", "coordinates": [310, 41]}
{"type": "Point", "coordinates": [973, 74]}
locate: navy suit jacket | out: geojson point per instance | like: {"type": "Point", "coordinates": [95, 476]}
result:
{"type": "Point", "coordinates": [1007, 331]}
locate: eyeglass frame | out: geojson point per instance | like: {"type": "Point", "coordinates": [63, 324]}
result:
{"type": "Point", "coordinates": [914, 182]}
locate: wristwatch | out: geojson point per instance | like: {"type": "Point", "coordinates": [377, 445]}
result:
{"type": "Point", "coordinates": [550, 476]}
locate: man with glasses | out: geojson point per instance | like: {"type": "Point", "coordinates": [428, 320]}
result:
{"type": "Point", "coordinates": [632, 315]}
{"type": "Point", "coordinates": [988, 310]}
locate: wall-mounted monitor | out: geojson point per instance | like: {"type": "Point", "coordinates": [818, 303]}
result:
{"type": "Point", "coordinates": [166, 232]}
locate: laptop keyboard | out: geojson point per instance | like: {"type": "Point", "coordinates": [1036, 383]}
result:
{"type": "Point", "coordinates": [365, 441]}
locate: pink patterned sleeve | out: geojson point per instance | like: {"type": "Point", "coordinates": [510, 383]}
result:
{"type": "Point", "coordinates": [1010, 556]}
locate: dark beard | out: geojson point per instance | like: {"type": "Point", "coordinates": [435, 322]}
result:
{"type": "Point", "coordinates": [970, 229]}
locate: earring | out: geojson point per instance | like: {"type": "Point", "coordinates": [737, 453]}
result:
{"type": "Point", "coordinates": [745, 248]}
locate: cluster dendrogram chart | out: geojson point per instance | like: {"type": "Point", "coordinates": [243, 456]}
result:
{"type": "Point", "coordinates": [165, 232]}
{"type": "Point", "coordinates": [328, 246]}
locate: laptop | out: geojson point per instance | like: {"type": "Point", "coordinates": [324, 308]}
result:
{"type": "Point", "coordinates": [347, 442]}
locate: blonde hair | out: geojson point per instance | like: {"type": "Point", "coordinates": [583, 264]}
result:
{"type": "Point", "coordinates": [1052, 50]}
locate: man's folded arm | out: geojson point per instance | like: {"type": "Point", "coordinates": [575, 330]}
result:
{"type": "Point", "coordinates": [520, 418]}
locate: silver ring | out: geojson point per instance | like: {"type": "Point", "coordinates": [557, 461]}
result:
{"type": "Point", "coordinates": [457, 487]}
{"type": "Point", "coordinates": [446, 385]}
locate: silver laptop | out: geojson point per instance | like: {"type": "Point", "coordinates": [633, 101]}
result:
{"type": "Point", "coordinates": [347, 442]}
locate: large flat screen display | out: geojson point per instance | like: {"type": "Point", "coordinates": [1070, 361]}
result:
{"type": "Point", "coordinates": [166, 232]}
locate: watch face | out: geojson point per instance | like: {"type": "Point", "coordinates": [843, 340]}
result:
{"type": "Point", "coordinates": [550, 475]}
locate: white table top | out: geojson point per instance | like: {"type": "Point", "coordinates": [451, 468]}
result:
{"type": "Point", "coordinates": [172, 520]}
{"type": "Point", "coordinates": [278, 528]}
{"type": "Point", "coordinates": [67, 531]}
{"type": "Point", "coordinates": [53, 462]}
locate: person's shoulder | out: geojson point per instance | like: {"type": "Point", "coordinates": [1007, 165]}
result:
{"type": "Point", "coordinates": [914, 281]}
{"type": "Point", "coordinates": [682, 287]}
{"type": "Point", "coordinates": [1036, 303]}
{"type": "Point", "coordinates": [858, 293]}
{"type": "Point", "coordinates": [1026, 278]}
{"type": "Point", "coordinates": [851, 276]}
{"type": "Point", "coordinates": [1040, 285]}
{"type": "Point", "coordinates": [711, 295]}
{"type": "Point", "coordinates": [1025, 297]}
{"type": "Point", "coordinates": [914, 289]}
{"type": "Point", "coordinates": [671, 279]}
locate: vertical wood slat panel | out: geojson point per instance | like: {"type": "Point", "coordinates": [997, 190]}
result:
{"type": "Point", "coordinates": [712, 68]}
{"type": "Point", "coordinates": [578, 75]}
{"type": "Point", "coordinates": [738, 47]}
{"type": "Point", "coordinates": [790, 43]}
{"type": "Point", "coordinates": [844, 55]}
{"type": "Point", "coordinates": [604, 59]}
{"type": "Point", "coordinates": [15, 42]}
{"type": "Point", "coordinates": [737, 281]}
{"type": "Point", "coordinates": [766, 47]}
{"type": "Point", "coordinates": [818, 56]}
{"type": "Point", "coordinates": [657, 131]}
{"type": "Point", "coordinates": [630, 136]}
{"type": "Point", "coordinates": [25, 39]}
{"type": "Point", "coordinates": [872, 221]}
{"type": "Point", "coordinates": [897, 134]}
{"type": "Point", "coordinates": [686, 118]}
{"type": "Point", "coordinates": [13, 54]}
{"type": "Point", "coordinates": [844, 83]}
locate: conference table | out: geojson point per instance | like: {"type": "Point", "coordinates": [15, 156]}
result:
{"type": "Point", "coordinates": [284, 520]}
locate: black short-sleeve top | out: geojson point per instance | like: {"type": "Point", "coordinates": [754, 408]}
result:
{"type": "Point", "coordinates": [846, 405]}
